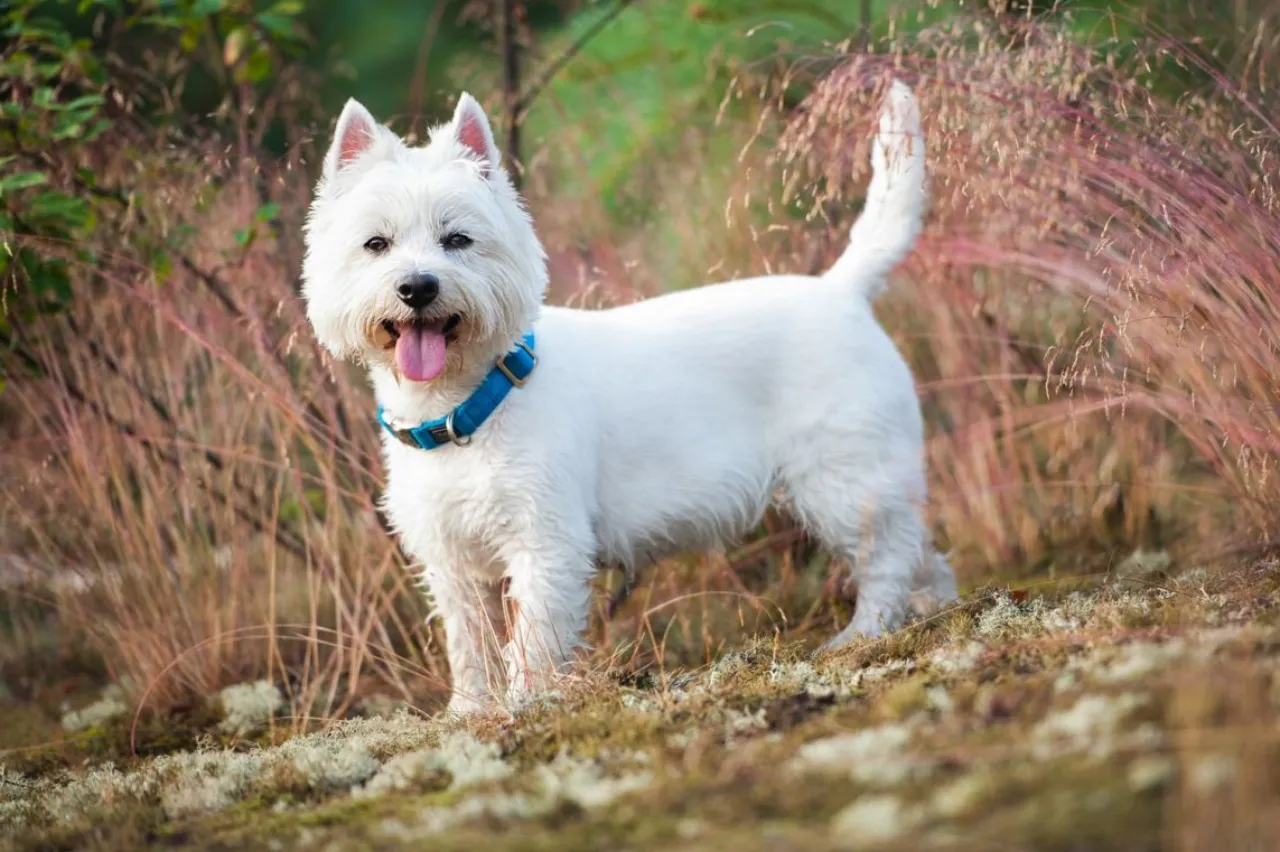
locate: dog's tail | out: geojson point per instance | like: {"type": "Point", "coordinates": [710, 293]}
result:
{"type": "Point", "coordinates": [890, 219]}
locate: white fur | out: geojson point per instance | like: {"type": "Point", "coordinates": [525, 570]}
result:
{"type": "Point", "coordinates": [644, 430]}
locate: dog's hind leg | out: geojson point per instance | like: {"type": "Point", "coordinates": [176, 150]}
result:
{"type": "Point", "coordinates": [880, 537]}
{"type": "Point", "coordinates": [883, 561]}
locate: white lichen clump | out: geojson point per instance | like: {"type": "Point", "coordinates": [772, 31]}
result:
{"type": "Point", "coordinates": [464, 759]}
{"type": "Point", "coordinates": [566, 779]}
{"type": "Point", "coordinates": [389, 736]}
{"type": "Point", "coordinates": [1212, 772]}
{"type": "Point", "coordinates": [832, 680]}
{"type": "Point", "coordinates": [584, 783]}
{"type": "Point", "coordinates": [951, 659]}
{"type": "Point", "coordinates": [330, 764]}
{"type": "Point", "coordinates": [249, 707]}
{"type": "Point", "coordinates": [875, 756]}
{"type": "Point", "coordinates": [739, 723]}
{"type": "Point", "coordinates": [872, 821]}
{"type": "Point", "coordinates": [960, 797]}
{"type": "Point", "coordinates": [208, 779]}
{"type": "Point", "coordinates": [200, 782]}
{"type": "Point", "coordinates": [110, 706]}
{"type": "Point", "coordinates": [1090, 726]}
{"type": "Point", "coordinates": [1134, 661]}
{"type": "Point", "coordinates": [1138, 659]}
{"type": "Point", "coordinates": [1008, 617]}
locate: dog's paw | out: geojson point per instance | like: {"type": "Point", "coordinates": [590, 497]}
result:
{"type": "Point", "coordinates": [869, 626]}
{"type": "Point", "coordinates": [926, 602]}
{"type": "Point", "coordinates": [844, 639]}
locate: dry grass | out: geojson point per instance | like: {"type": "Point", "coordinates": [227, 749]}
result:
{"type": "Point", "coordinates": [1088, 312]}
{"type": "Point", "coordinates": [196, 486]}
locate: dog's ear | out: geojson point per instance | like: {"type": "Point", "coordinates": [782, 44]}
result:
{"type": "Point", "coordinates": [354, 136]}
{"type": "Point", "coordinates": [471, 129]}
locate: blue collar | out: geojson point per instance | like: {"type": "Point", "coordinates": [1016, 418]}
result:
{"type": "Point", "coordinates": [511, 371]}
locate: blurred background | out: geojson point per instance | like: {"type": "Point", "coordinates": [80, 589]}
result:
{"type": "Point", "coordinates": [190, 485]}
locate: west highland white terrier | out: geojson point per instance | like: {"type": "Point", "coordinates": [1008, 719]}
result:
{"type": "Point", "coordinates": [526, 444]}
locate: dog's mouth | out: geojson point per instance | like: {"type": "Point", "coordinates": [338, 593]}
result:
{"type": "Point", "coordinates": [421, 345]}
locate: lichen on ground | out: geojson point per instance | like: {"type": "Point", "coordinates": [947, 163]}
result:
{"type": "Point", "coordinates": [248, 707]}
{"type": "Point", "coordinates": [1103, 718]}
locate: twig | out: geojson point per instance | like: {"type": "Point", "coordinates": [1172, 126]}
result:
{"type": "Point", "coordinates": [511, 83]}
{"type": "Point", "coordinates": [548, 74]}
{"type": "Point", "coordinates": [418, 87]}
{"type": "Point", "coordinates": [620, 594]}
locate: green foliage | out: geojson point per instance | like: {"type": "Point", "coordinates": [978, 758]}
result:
{"type": "Point", "coordinates": [249, 40]}
{"type": "Point", "coordinates": [662, 66]}
{"type": "Point", "coordinates": [62, 103]}
{"type": "Point", "coordinates": [61, 89]}
{"type": "Point", "coordinates": [661, 70]}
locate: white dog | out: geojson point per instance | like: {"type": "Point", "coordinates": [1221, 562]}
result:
{"type": "Point", "coordinates": [525, 443]}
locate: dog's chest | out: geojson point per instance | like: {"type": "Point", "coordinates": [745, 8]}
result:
{"type": "Point", "coordinates": [453, 506]}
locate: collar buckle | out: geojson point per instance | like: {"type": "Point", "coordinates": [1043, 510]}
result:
{"type": "Point", "coordinates": [506, 371]}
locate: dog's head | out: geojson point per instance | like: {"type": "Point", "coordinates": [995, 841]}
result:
{"type": "Point", "coordinates": [420, 259]}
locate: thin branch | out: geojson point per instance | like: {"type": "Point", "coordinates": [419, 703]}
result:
{"type": "Point", "coordinates": [511, 83]}
{"type": "Point", "coordinates": [548, 74]}
{"type": "Point", "coordinates": [418, 86]}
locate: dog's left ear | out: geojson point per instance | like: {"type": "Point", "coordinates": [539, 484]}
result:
{"type": "Point", "coordinates": [471, 129]}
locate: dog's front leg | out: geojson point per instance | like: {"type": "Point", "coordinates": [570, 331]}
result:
{"type": "Point", "coordinates": [475, 632]}
{"type": "Point", "coordinates": [549, 595]}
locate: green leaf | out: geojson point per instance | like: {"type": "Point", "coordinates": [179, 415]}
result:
{"type": "Point", "coordinates": [56, 209]}
{"type": "Point", "coordinates": [85, 101]}
{"type": "Point", "coordinates": [96, 129]}
{"type": "Point", "coordinates": [162, 266]}
{"type": "Point", "coordinates": [109, 5]}
{"type": "Point", "coordinates": [267, 212]}
{"type": "Point", "coordinates": [258, 68]}
{"type": "Point", "coordinates": [208, 7]}
{"type": "Point", "coordinates": [277, 25]}
{"type": "Point", "coordinates": [21, 180]}
{"type": "Point", "coordinates": [66, 127]}
{"type": "Point", "coordinates": [245, 236]}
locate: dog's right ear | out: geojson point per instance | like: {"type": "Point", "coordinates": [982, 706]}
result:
{"type": "Point", "coordinates": [354, 136]}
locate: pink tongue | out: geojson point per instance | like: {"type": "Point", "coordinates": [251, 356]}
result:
{"type": "Point", "coordinates": [420, 353]}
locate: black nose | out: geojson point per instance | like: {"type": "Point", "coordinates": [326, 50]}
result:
{"type": "Point", "coordinates": [419, 290]}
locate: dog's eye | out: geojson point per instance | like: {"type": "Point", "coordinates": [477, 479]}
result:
{"type": "Point", "coordinates": [376, 245]}
{"type": "Point", "coordinates": [456, 241]}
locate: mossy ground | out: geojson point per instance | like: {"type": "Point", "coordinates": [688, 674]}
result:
{"type": "Point", "coordinates": [1123, 715]}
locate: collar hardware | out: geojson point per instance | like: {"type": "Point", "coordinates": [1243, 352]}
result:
{"type": "Point", "coordinates": [457, 427]}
